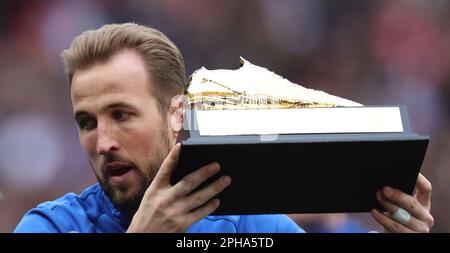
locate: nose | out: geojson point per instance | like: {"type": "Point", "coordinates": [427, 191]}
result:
{"type": "Point", "coordinates": [106, 142]}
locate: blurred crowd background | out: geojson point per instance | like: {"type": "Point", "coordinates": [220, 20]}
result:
{"type": "Point", "coordinates": [374, 52]}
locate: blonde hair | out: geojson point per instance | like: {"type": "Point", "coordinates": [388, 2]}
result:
{"type": "Point", "coordinates": [162, 58]}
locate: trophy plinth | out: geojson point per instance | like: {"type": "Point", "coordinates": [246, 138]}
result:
{"type": "Point", "coordinates": [303, 168]}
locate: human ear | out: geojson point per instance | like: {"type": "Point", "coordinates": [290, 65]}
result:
{"type": "Point", "coordinates": [176, 115]}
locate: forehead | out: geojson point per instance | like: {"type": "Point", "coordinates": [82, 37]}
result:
{"type": "Point", "coordinates": [123, 76]}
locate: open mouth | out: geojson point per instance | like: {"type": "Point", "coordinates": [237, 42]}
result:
{"type": "Point", "coordinates": [117, 169]}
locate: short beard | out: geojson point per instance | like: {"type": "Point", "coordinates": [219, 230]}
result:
{"type": "Point", "coordinates": [130, 204]}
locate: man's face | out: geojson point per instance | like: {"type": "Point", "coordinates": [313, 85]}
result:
{"type": "Point", "coordinates": [120, 127]}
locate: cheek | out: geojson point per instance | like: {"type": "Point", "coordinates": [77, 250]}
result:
{"type": "Point", "coordinates": [143, 141]}
{"type": "Point", "coordinates": [147, 145]}
{"type": "Point", "coordinates": [88, 144]}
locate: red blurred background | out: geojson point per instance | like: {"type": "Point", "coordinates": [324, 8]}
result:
{"type": "Point", "coordinates": [374, 52]}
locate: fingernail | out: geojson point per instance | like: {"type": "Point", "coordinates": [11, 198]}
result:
{"type": "Point", "coordinates": [177, 148]}
{"type": "Point", "coordinates": [226, 181]}
{"type": "Point", "coordinates": [378, 195]}
{"type": "Point", "coordinates": [214, 167]}
{"type": "Point", "coordinates": [175, 151]}
{"type": "Point", "coordinates": [388, 191]}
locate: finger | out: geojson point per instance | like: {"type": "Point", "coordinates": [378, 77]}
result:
{"type": "Point", "coordinates": [203, 211]}
{"type": "Point", "coordinates": [389, 224]}
{"type": "Point", "coordinates": [413, 223]}
{"type": "Point", "coordinates": [194, 179]}
{"type": "Point", "coordinates": [168, 165]}
{"type": "Point", "coordinates": [201, 197]}
{"type": "Point", "coordinates": [407, 202]}
{"type": "Point", "coordinates": [423, 193]}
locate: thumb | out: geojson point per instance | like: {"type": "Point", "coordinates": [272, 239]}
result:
{"type": "Point", "coordinates": [168, 166]}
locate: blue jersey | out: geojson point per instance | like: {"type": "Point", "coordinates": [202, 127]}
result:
{"type": "Point", "coordinates": [93, 212]}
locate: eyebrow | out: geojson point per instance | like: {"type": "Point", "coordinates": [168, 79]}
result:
{"type": "Point", "coordinates": [110, 106]}
{"type": "Point", "coordinates": [120, 104]}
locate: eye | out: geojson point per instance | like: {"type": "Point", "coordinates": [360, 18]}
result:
{"type": "Point", "coordinates": [121, 115]}
{"type": "Point", "coordinates": [87, 123]}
